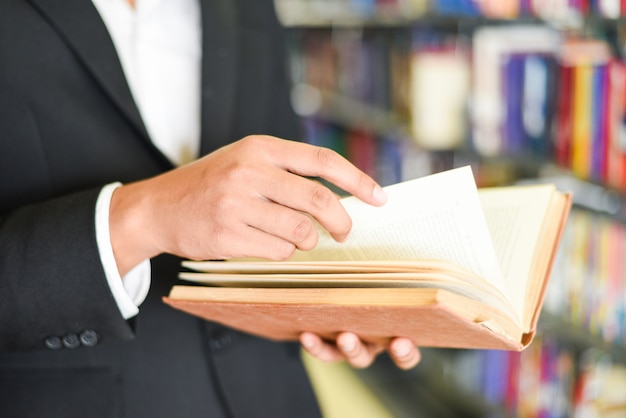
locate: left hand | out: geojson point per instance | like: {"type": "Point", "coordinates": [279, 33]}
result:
{"type": "Point", "coordinates": [360, 354]}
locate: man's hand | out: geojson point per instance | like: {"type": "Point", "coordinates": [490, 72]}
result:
{"type": "Point", "coordinates": [358, 353]}
{"type": "Point", "coordinates": [248, 199]}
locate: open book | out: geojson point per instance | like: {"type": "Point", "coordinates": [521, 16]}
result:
{"type": "Point", "coordinates": [442, 263]}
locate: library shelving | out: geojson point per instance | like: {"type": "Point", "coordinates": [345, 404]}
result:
{"type": "Point", "coordinates": [522, 90]}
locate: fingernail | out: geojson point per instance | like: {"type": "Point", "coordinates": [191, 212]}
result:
{"type": "Point", "coordinates": [379, 195]}
{"type": "Point", "coordinates": [348, 346]}
{"type": "Point", "coordinates": [307, 341]}
{"type": "Point", "coordinates": [402, 349]}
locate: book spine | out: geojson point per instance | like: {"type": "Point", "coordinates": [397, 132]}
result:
{"type": "Point", "coordinates": [598, 112]}
{"type": "Point", "coordinates": [361, 148]}
{"type": "Point", "coordinates": [556, 380]}
{"type": "Point", "coordinates": [581, 126]}
{"type": "Point", "coordinates": [564, 115]}
{"type": "Point", "coordinates": [616, 163]}
{"type": "Point", "coordinates": [514, 137]}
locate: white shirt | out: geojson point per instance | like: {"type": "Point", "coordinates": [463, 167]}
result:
{"type": "Point", "coordinates": [160, 47]}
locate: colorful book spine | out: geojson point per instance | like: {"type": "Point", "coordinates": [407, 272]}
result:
{"type": "Point", "coordinates": [361, 150]}
{"type": "Point", "coordinates": [514, 135]}
{"type": "Point", "coordinates": [598, 118]}
{"type": "Point", "coordinates": [588, 287]}
{"type": "Point", "coordinates": [616, 159]}
{"type": "Point", "coordinates": [547, 380]}
{"type": "Point", "coordinates": [581, 120]}
{"type": "Point", "coordinates": [563, 116]}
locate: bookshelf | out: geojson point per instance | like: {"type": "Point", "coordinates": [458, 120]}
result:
{"type": "Point", "coordinates": [522, 90]}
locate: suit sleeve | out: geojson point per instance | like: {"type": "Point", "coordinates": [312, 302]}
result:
{"type": "Point", "coordinates": [53, 291]}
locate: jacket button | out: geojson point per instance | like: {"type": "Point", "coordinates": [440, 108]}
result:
{"type": "Point", "coordinates": [53, 343]}
{"type": "Point", "coordinates": [89, 338]}
{"type": "Point", "coordinates": [221, 341]}
{"type": "Point", "coordinates": [71, 341]}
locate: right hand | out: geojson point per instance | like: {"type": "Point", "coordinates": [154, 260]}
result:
{"type": "Point", "coordinates": [247, 199]}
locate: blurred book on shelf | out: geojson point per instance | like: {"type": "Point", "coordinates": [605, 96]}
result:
{"type": "Point", "coordinates": [591, 110]}
{"type": "Point", "coordinates": [440, 87]}
{"type": "Point", "coordinates": [512, 88]}
{"type": "Point", "coordinates": [549, 379]}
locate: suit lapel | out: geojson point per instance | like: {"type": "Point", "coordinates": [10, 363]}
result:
{"type": "Point", "coordinates": [219, 72]}
{"type": "Point", "coordinates": [85, 32]}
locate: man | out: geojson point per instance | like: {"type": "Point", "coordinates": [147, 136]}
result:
{"type": "Point", "coordinates": [91, 207]}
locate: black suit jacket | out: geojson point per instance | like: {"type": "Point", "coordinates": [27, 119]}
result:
{"type": "Point", "coordinates": [68, 125]}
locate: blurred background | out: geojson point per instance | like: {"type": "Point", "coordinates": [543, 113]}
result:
{"type": "Point", "coordinates": [521, 90]}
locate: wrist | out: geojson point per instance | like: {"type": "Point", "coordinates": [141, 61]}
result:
{"type": "Point", "coordinates": [131, 228]}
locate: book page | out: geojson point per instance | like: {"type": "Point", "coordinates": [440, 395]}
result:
{"type": "Point", "coordinates": [474, 290]}
{"type": "Point", "coordinates": [437, 217]}
{"type": "Point", "coordinates": [515, 217]}
{"type": "Point", "coordinates": [262, 266]}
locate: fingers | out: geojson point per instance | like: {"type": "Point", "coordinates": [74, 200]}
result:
{"type": "Point", "coordinates": [348, 347]}
{"type": "Point", "coordinates": [280, 222]}
{"type": "Point", "coordinates": [284, 184]}
{"type": "Point", "coordinates": [310, 197]}
{"type": "Point", "coordinates": [296, 198]}
{"type": "Point", "coordinates": [359, 354]}
{"type": "Point", "coordinates": [404, 353]}
{"type": "Point", "coordinates": [320, 349]}
{"type": "Point", "coordinates": [251, 242]}
{"type": "Point", "coordinates": [308, 160]}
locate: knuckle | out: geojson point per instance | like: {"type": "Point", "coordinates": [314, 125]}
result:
{"type": "Point", "coordinates": [321, 197]}
{"type": "Point", "coordinates": [327, 158]}
{"type": "Point", "coordinates": [237, 171]}
{"type": "Point", "coordinates": [250, 139]}
{"type": "Point", "coordinates": [302, 230]}
{"type": "Point", "coordinates": [223, 206]}
{"type": "Point", "coordinates": [364, 181]}
{"type": "Point", "coordinates": [255, 141]}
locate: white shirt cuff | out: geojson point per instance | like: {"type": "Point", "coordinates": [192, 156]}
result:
{"type": "Point", "coordinates": [131, 291]}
